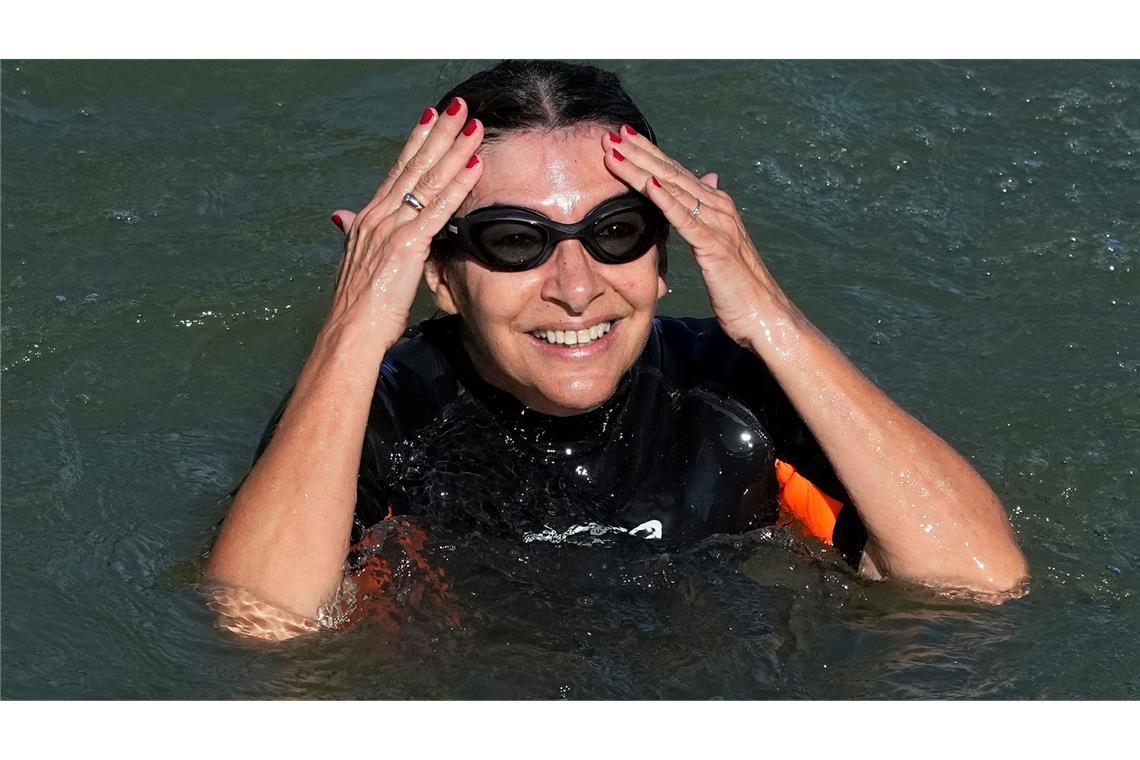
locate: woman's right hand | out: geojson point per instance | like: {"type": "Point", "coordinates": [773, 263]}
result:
{"type": "Point", "coordinates": [388, 241]}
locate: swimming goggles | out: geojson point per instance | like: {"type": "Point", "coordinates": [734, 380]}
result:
{"type": "Point", "coordinates": [514, 239]}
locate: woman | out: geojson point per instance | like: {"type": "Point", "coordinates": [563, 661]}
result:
{"type": "Point", "coordinates": [534, 199]}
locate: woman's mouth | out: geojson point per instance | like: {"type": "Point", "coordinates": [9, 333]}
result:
{"type": "Point", "coordinates": [576, 344]}
{"type": "Point", "coordinates": [574, 337]}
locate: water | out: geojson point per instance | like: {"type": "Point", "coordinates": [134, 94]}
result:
{"type": "Point", "coordinates": [966, 232]}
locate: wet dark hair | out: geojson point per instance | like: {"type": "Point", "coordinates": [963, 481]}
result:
{"type": "Point", "coordinates": [514, 96]}
{"type": "Point", "coordinates": [519, 96]}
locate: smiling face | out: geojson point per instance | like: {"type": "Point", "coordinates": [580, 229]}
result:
{"type": "Point", "coordinates": [510, 318]}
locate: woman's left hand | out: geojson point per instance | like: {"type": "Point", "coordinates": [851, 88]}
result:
{"type": "Point", "coordinates": [741, 290]}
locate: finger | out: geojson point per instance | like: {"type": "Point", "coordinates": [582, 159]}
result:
{"type": "Point", "coordinates": [687, 200]}
{"type": "Point", "coordinates": [673, 200]}
{"type": "Point", "coordinates": [636, 175]}
{"type": "Point", "coordinates": [629, 172]}
{"type": "Point", "coordinates": [655, 161]}
{"type": "Point", "coordinates": [665, 167]}
{"type": "Point", "coordinates": [632, 137]}
{"type": "Point", "coordinates": [443, 135]}
{"type": "Point", "coordinates": [711, 179]}
{"type": "Point", "coordinates": [416, 139]}
{"type": "Point", "coordinates": [342, 218]}
{"type": "Point", "coordinates": [426, 224]}
{"type": "Point", "coordinates": [449, 165]}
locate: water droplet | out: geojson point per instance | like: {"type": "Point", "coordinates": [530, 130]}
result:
{"type": "Point", "coordinates": [123, 215]}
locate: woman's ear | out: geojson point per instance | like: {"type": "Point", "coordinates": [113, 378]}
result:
{"type": "Point", "coordinates": [438, 281]}
{"type": "Point", "coordinates": [662, 287]}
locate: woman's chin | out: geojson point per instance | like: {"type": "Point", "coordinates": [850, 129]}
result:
{"type": "Point", "coordinates": [575, 398]}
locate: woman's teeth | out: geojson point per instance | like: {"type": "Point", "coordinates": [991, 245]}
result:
{"type": "Point", "coordinates": [573, 337]}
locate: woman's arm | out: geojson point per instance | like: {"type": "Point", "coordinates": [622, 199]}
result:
{"type": "Point", "coordinates": [286, 535]}
{"type": "Point", "coordinates": [930, 517]}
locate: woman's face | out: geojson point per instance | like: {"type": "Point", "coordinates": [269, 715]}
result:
{"type": "Point", "coordinates": [561, 175]}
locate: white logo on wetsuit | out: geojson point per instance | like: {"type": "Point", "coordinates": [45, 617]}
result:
{"type": "Point", "coordinates": [648, 530]}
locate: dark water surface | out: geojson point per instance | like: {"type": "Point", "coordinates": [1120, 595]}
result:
{"type": "Point", "coordinates": [967, 232]}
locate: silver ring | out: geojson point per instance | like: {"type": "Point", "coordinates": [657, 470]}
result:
{"type": "Point", "coordinates": [697, 211]}
{"type": "Point", "coordinates": [414, 202]}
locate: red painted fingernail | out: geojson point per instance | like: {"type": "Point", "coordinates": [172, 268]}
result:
{"type": "Point", "coordinates": [470, 128]}
{"type": "Point", "coordinates": [614, 138]}
{"type": "Point", "coordinates": [618, 156]}
{"type": "Point", "coordinates": [631, 130]}
{"type": "Point", "coordinates": [471, 164]}
{"type": "Point", "coordinates": [338, 222]}
{"type": "Point", "coordinates": [453, 107]}
{"type": "Point", "coordinates": [428, 113]}
{"type": "Point", "coordinates": [655, 181]}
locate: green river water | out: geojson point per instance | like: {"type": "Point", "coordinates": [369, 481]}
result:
{"type": "Point", "coordinates": [967, 232]}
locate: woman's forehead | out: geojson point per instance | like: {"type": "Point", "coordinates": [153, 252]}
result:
{"type": "Point", "coordinates": [559, 173]}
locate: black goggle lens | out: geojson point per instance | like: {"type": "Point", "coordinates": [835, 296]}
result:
{"type": "Point", "coordinates": [511, 243]}
{"type": "Point", "coordinates": [622, 234]}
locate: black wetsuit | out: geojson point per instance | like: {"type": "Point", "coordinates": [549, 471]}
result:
{"type": "Point", "coordinates": [684, 448]}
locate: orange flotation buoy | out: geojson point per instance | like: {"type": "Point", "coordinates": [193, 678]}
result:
{"type": "Point", "coordinates": [800, 499]}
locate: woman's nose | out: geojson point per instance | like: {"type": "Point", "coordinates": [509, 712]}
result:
{"type": "Point", "coordinates": [572, 280]}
